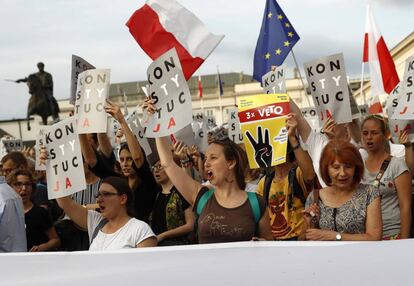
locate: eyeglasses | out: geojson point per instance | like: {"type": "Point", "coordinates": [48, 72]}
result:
{"type": "Point", "coordinates": [157, 168]}
{"type": "Point", "coordinates": [19, 185]}
{"type": "Point", "coordinates": [106, 194]}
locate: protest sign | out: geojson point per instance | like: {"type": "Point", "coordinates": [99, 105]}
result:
{"type": "Point", "coordinates": [185, 135]}
{"type": "Point", "coordinates": [274, 81]}
{"type": "Point", "coordinates": [200, 135]}
{"type": "Point", "coordinates": [234, 126]}
{"type": "Point", "coordinates": [64, 169]}
{"type": "Point", "coordinates": [136, 128]}
{"type": "Point", "coordinates": [171, 95]}
{"type": "Point", "coordinates": [329, 88]}
{"type": "Point", "coordinates": [92, 91]}
{"type": "Point", "coordinates": [405, 108]}
{"type": "Point", "coordinates": [311, 116]}
{"type": "Point", "coordinates": [78, 65]}
{"type": "Point", "coordinates": [40, 141]}
{"type": "Point", "coordinates": [209, 121]}
{"type": "Point", "coordinates": [13, 145]}
{"type": "Point", "coordinates": [263, 125]}
{"type": "Point", "coordinates": [397, 125]}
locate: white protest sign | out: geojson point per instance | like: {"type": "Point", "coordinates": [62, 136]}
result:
{"type": "Point", "coordinates": [209, 121]}
{"type": "Point", "coordinates": [92, 91]}
{"type": "Point", "coordinates": [169, 90]}
{"type": "Point", "coordinates": [311, 116]}
{"type": "Point", "coordinates": [185, 135]}
{"type": "Point", "coordinates": [64, 169]}
{"type": "Point", "coordinates": [200, 135]}
{"type": "Point", "coordinates": [13, 145]}
{"type": "Point", "coordinates": [329, 88]}
{"type": "Point", "coordinates": [274, 81]}
{"type": "Point", "coordinates": [40, 140]}
{"type": "Point", "coordinates": [397, 125]}
{"type": "Point", "coordinates": [405, 108]}
{"type": "Point", "coordinates": [234, 131]}
{"type": "Point", "coordinates": [78, 65]}
{"type": "Point", "coordinates": [136, 128]}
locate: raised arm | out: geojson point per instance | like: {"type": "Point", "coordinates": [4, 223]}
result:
{"type": "Point", "coordinates": [181, 180]}
{"type": "Point", "coordinates": [75, 211]}
{"type": "Point", "coordinates": [133, 144]}
{"type": "Point", "coordinates": [105, 144]}
{"type": "Point", "coordinates": [302, 157]}
{"type": "Point", "coordinates": [87, 151]}
{"type": "Point", "coordinates": [303, 127]}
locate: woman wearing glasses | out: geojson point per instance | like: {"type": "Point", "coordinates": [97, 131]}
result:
{"type": "Point", "coordinates": [115, 226]}
{"type": "Point", "coordinates": [390, 176]}
{"type": "Point", "coordinates": [40, 232]}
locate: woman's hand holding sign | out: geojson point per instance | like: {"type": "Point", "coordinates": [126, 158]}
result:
{"type": "Point", "coordinates": [262, 149]}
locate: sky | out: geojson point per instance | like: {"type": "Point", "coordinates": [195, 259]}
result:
{"type": "Point", "coordinates": [52, 30]}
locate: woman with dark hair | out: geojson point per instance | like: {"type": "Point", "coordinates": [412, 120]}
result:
{"type": "Point", "coordinates": [40, 232]}
{"type": "Point", "coordinates": [115, 226]}
{"type": "Point", "coordinates": [225, 213]}
{"type": "Point", "coordinates": [133, 164]}
{"type": "Point", "coordinates": [390, 176]}
{"type": "Point", "coordinates": [345, 209]}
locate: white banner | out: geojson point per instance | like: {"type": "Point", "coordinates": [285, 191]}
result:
{"type": "Point", "coordinates": [245, 263]}
{"type": "Point", "coordinates": [274, 81]}
{"type": "Point", "coordinates": [234, 130]}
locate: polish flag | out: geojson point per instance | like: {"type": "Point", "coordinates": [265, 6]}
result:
{"type": "Point", "coordinates": [161, 25]}
{"type": "Point", "coordinates": [200, 88]}
{"type": "Point", "coordinates": [384, 77]}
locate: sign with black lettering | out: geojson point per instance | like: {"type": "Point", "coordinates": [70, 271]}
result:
{"type": "Point", "coordinates": [274, 81]}
{"type": "Point", "coordinates": [136, 128]}
{"type": "Point", "coordinates": [40, 141]}
{"type": "Point", "coordinates": [200, 134]}
{"type": "Point", "coordinates": [78, 65]}
{"type": "Point", "coordinates": [64, 169]}
{"type": "Point", "coordinates": [397, 125]}
{"type": "Point", "coordinates": [405, 108]}
{"type": "Point", "coordinates": [234, 126]}
{"type": "Point", "coordinates": [169, 90]}
{"type": "Point", "coordinates": [13, 145]}
{"type": "Point", "coordinates": [329, 88]}
{"type": "Point", "coordinates": [92, 91]}
{"type": "Point", "coordinates": [311, 116]}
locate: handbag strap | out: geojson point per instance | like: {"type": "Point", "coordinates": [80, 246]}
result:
{"type": "Point", "coordinates": [382, 170]}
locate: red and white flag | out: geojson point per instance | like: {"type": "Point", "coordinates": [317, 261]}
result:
{"type": "Point", "coordinates": [161, 25]}
{"type": "Point", "coordinates": [384, 77]}
{"type": "Point", "coordinates": [200, 88]}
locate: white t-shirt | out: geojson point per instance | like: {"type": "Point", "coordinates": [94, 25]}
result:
{"type": "Point", "coordinates": [128, 236]}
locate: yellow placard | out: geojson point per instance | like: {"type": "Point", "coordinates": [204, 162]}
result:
{"type": "Point", "coordinates": [263, 125]}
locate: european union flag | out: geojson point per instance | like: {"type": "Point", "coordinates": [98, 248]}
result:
{"type": "Point", "coordinates": [277, 37]}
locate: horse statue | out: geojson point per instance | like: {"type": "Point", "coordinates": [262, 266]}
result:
{"type": "Point", "coordinates": [39, 102]}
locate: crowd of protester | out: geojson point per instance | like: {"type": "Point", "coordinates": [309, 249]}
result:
{"type": "Point", "coordinates": [345, 182]}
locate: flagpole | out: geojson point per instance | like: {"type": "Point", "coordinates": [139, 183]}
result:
{"type": "Point", "coordinates": [219, 95]}
{"type": "Point", "coordinates": [301, 80]}
{"type": "Point", "coordinates": [362, 93]}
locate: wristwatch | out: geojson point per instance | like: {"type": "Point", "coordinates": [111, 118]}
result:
{"type": "Point", "coordinates": [338, 236]}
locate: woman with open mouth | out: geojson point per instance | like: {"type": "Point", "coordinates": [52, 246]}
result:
{"type": "Point", "coordinates": [390, 176]}
{"type": "Point", "coordinates": [40, 233]}
{"type": "Point", "coordinates": [225, 213]}
{"type": "Point", "coordinates": [345, 209]}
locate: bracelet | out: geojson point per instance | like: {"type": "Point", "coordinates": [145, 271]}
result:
{"type": "Point", "coordinates": [187, 165]}
{"type": "Point", "coordinates": [185, 161]}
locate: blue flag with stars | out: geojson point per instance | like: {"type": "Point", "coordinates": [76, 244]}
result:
{"type": "Point", "coordinates": [277, 37]}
